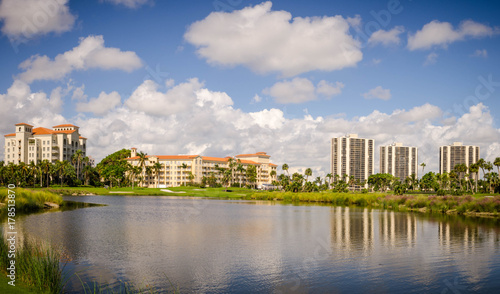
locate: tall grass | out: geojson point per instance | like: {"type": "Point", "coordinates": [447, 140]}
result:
{"type": "Point", "coordinates": [30, 200]}
{"type": "Point", "coordinates": [432, 203]}
{"type": "Point", "coordinates": [37, 265]}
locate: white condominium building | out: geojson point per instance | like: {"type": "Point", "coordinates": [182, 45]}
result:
{"type": "Point", "coordinates": [399, 161]}
{"type": "Point", "coordinates": [451, 155]}
{"type": "Point", "coordinates": [30, 144]}
{"type": "Point", "coordinates": [177, 170]}
{"type": "Point", "coordinates": [352, 156]}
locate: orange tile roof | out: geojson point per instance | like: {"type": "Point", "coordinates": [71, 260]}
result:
{"type": "Point", "coordinates": [253, 155]}
{"type": "Point", "coordinates": [176, 156]}
{"type": "Point", "coordinates": [208, 158]}
{"type": "Point", "coordinates": [167, 157]}
{"type": "Point", "coordinates": [83, 138]}
{"type": "Point", "coordinates": [42, 131]}
{"type": "Point", "coordinates": [65, 125]}
{"type": "Point", "coordinates": [64, 132]}
{"type": "Point", "coordinates": [24, 124]}
{"type": "Point", "coordinates": [272, 164]}
{"type": "Point", "coordinates": [10, 135]}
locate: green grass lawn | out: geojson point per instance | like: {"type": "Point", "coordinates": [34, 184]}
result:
{"type": "Point", "coordinates": [7, 289]}
{"type": "Point", "coordinates": [138, 191]}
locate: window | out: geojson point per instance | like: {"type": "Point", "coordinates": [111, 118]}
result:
{"type": "Point", "coordinates": [8, 143]}
{"type": "Point", "coordinates": [19, 129]}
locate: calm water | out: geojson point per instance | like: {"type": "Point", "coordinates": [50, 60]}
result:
{"type": "Point", "coordinates": [221, 246]}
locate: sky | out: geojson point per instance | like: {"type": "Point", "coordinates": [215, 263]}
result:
{"type": "Point", "coordinates": [228, 77]}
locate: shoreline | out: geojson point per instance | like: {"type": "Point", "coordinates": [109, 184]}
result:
{"type": "Point", "coordinates": [485, 206]}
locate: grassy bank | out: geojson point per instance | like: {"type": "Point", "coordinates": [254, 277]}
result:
{"type": "Point", "coordinates": [466, 205]}
{"type": "Point", "coordinates": [28, 200]}
{"type": "Point", "coordinates": [137, 191]}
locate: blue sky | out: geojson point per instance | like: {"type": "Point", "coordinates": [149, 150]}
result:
{"type": "Point", "coordinates": [232, 76]}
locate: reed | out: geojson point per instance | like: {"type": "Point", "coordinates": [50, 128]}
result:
{"type": "Point", "coordinates": [37, 265]}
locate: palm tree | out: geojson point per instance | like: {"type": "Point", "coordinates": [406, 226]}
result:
{"type": "Point", "coordinates": [149, 173]}
{"type": "Point", "coordinates": [45, 166]}
{"type": "Point", "coordinates": [33, 171]}
{"type": "Point", "coordinates": [272, 174]}
{"type": "Point", "coordinates": [24, 169]}
{"type": "Point", "coordinates": [142, 163]}
{"type": "Point", "coordinates": [489, 167]}
{"type": "Point", "coordinates": [474, 169]}
{"type": "Point", "coordinates": [59, 168]}
{"type": "Point", "coordinates": [423, 165]}
{"type": "Point", "coordinates": [87, 171]}
{"type": "Point", "coordinates": [307, 173]}
{"type": "Point", "coordinates": [77, 158]}
{"type": "Point", "coordinates": [285, 168]}
{"type": "Point", "coordinates": [157, 168]}
{"type": "Point", "coordinates": [329, 176]}
{"type": "Point", "coordinates": [460, 169]}
{"type": "Point", "coordinates": [240, 169]}
{"type": "Point", "coordinates": [183, 166]}
{"type": "Point", "coordinates": [481, 162]}
{"type": "Point", "coordinates": [497, 164]}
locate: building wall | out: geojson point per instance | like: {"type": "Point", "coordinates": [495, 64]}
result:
{"type": "Point", "coordinates": [29, 144]}
{"type": "Point", "coordinates": [451, 155]}
{"type": "Point", "coordinates": [172, 173]}
{"type": "Point", "coordinates": [351, 155]}
{"type": "Point", "coordinates": [399, 161]}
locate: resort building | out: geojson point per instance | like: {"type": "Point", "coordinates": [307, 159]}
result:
{"type": "Point", "coordinates": [450, 156]}
{"type": "Point", "coordinates": [352, 156]}
{"type": "Point", "coordinates": [399, 161]}
{"type": "Point", "coordinates": [30, 144]}
{"type": "Point", "coordinates": [178, 170]}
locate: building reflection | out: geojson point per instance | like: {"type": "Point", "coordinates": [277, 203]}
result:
{"type": "Point", "coordinates": [352, 231]}
{"type": "Point", "coordinates": [397, 229]}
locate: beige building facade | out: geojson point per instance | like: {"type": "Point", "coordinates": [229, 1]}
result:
{"type": "Point", "coordinates": [30, 144]}
{"type": "Point", "coordinates": [457, 153]}
{"type": "Point", "coordinates": [177, 170]}
{"type": "Point", "coordinates": [399, 161]}
{"type": "Point", "coordinates": [352, 156]}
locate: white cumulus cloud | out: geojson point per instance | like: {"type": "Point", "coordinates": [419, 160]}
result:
{"type": "Point", "coordinates": [24, 19]}
{"type": "Point", "coordinates": [148, 99]}
{"type": "Point", "coordinates": [271, 41]}
{"type": "Point", "coordinates": [100, 105]}
{"type": "Point", "coordinates": [431, 58]}
{"type": "Point", "coordinates": [128, 3]}
{"type": "Point", "coordinates": [90, 53]}
{"type": "Point", "coordinates": [386, 38]}
{"type": "Point", "coordinates": [328, 89]}
{"type": "Point", "coordinates": [379, 93]}
{"type": "Point", "coordinates": [480, 53]}
{"type": "Point", "coordinates": [298, 90]}
{"type": "Point", "coordinates": [442, 34]}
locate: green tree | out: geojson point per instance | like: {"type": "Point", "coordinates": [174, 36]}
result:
{"type": "Point", "coordinates": [157, 168]}
{"type": "Point", "coordinates": [423, 165]}
{"type": "Point", "coordinates": [307, 174]}
{"type": "Point", "coordinates": [251, 174]}
{"type": "Point", "coordinates": [77, 158]}
{"type": "Point", "coordinates": [460, 169]}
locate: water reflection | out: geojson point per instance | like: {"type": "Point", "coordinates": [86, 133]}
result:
{"type": "Point", "coordinates": [214, 246]}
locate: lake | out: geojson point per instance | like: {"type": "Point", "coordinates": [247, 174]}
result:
{"type": "Point", "coordinates": [220, 246]}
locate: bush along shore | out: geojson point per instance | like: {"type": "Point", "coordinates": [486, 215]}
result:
{"type": "Point", "coordinates": [28, 200]}
{"type": "Point", "coordinates": [488, 206]}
